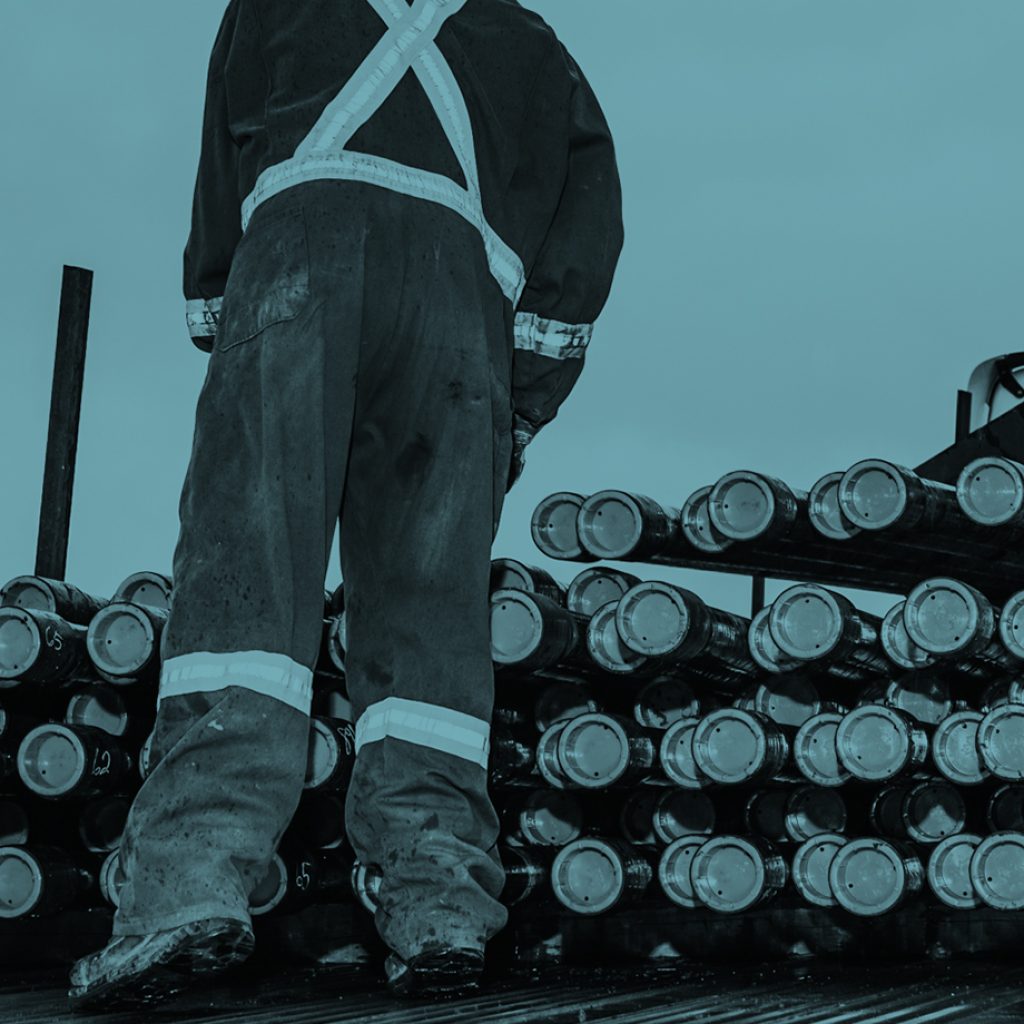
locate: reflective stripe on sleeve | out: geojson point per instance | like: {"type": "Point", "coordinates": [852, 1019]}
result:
{"type": "Point", "coordinates": [550, 338]}
{"type": "Point", "coordinates": [273, 675]}
{"type": "Point", "coordinates": [427, 725]}
{"type": "Point", "coordinates": [201, 316]}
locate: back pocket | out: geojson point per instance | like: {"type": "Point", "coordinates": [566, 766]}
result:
{"type": "Point", "coordinates": [269, 279]}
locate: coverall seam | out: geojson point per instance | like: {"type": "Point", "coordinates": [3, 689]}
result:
{"type": "Point", "coordinates": [531, 93]}
{"type": "Point", "coordinates": [527, 111]}
{"type": "Point", "coordinates": [223, 77]}
{"type": "Point", "coordinates": [217, 77]}
{"type": "Point", "coordinates": [266, 66]}
{"type": "Point", "coordinates": [306, 316]}
{"type": "Point", "coordinates": [325, 465]}
{"type": "Point", "coordinates": [194, 725]}
{"type": "Point", "coordinates": [470, 71]}
{"type": "Point", "coordinates": [371, 567]}
{"type": "Point", "coordinates": [354, 419]}
{"type": "Point", "coordinates": [358, 410]}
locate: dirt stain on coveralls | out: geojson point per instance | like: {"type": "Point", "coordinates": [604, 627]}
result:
{"type": "Point", "coordinates": [415, 457]}
{"type": "Point", "coordinates": [377, 674]}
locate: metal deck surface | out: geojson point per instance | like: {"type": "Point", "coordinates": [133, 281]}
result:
{"type": "Point", "coordinates": [917, 993]}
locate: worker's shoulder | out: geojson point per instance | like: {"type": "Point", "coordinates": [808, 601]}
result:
{"type": "Point", "coordinates": [520, 15]}
{"type": "Point", "coordinates": [526, 26]}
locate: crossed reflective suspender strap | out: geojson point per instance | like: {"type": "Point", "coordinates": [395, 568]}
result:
{"type": "Point", "coordinates": [409, 43]}
{"type": "Point", "coordinates": [412, 32]}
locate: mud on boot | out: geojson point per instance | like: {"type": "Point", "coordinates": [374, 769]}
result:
{"type": "Point", "coordinates": [445, 973]}
{"type": "Point", "coordinates": [143, 970]}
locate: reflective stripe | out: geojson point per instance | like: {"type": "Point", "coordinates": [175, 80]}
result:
{"type": "Point", "coordinates": [201, 316]}
{"type": "Point", "coordinates": [438, 81]}
{"type": "Point", "coordinates": [375, 79]}
{"type": "Point", "coordinates": [427, 725]}
{"type": "Point", "coordinates": [550, 338]}
{"type": "Point", "coordinates": [408, 43]}
{"type": "Point", "coordinates": [523, 431]}
{"type": "Point", "coordinates": [273, 675]}
{"type": "Point", "coordinates": [505, 265]}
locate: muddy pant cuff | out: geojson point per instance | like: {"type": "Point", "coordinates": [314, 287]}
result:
{"type": "Point", "coordinates": [434, 931]}
{"type": "Point", "coordinates": [164, 922]}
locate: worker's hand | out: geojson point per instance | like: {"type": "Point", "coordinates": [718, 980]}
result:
{"type": "Point", "coordinates": [522, 435]}
{"type": "Point", "coordinates": [518, 462]}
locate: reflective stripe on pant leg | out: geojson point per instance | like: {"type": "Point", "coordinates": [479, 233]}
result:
{"type": "Point", "coordinates": [273, 675]}
{"type": "Point", "coordinates": [428, 725]}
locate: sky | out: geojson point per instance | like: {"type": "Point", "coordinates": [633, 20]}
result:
{"type": "Point", "coordinates": [823, 237]}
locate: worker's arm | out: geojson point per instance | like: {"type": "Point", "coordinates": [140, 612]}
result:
{"type": "Point", "coordinates": [216, 205]}
{"type": "Point", "coordinates": [569, 282]}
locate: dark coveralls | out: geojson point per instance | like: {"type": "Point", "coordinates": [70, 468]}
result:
{"type": "Point", "coordinates": [406, 220]}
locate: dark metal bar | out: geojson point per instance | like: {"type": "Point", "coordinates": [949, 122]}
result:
{"type": "Point", "coordinates": [65, 407]}
{"type": "Point", "coordinates": [756, 595]}
{"type": "Point", "coordinates": [963, 414]}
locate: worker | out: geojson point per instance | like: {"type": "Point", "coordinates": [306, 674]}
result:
{"type": "Point", "coordinates": [406, 220]}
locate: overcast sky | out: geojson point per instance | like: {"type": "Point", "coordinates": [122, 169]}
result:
{"type": "Point", "coordinates": [823, 218]}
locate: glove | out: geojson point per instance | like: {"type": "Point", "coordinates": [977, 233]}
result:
{"type": "Point", "coordinates": [522, 434]}
{"type": "Point", "coordinates": [518, 461]}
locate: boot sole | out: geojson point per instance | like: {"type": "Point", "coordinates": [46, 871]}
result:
{"type": "Point", "coordinates": [442, 977]}
{"type": "Point", "coordinates": [216, 952]}
{"type": "Point", "coordinates": [445, 988]}
{"type": "Point", "coordinates": [170, 972]}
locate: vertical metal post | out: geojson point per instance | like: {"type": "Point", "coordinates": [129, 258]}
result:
{"type": "Point", "coordinates": [756, 595]}
{"type": "Point", "coordinates": [964, 402]}
{"type": "Point", "coordinates": [62, 438]}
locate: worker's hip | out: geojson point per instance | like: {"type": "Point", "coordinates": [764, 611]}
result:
{"type": "Point", "coordinates": [383, 303]}
{"type": "Point", "coordinates": [395, 288]}
{"type": "Point", "coordinates": [400, 254]}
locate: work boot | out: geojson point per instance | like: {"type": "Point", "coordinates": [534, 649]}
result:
{"type": "Point", "coordinates": [444, 973]}
{"type": "Point", "coordinates": [134, 970]}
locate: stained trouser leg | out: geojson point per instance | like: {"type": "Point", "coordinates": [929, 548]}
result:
{"type": "Point", "coordinates": [430, 456]}
{"type": "Point", "coordinates": [258, 510]}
